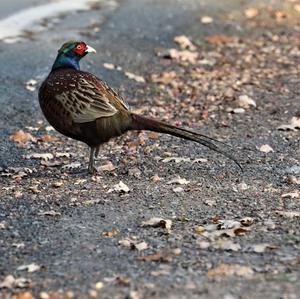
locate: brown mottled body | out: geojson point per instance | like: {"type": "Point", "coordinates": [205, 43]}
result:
{"type": "Point", "coordinates": [64, 112]}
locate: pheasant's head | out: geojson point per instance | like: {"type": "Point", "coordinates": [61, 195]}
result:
{"type": "Point", "coordinates": [70, 54]}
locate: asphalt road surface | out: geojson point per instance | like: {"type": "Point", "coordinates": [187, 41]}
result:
{"type": "Point", "coordinates": [84, 238]}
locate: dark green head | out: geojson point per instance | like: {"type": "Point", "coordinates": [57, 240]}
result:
{"type": "Point", "coordinates": [70, 54]}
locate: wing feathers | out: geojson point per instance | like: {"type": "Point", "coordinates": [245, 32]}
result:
{"type": "Point", "coordinates": [86, 101]}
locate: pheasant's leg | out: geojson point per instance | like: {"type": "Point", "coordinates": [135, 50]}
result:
{"type": "Point", "coordinates": [92, 168]}
{"type": "Point", "coordinates": [97, 151]}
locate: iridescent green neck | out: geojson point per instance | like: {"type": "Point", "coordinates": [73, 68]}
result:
{"type": "Point", "coordinates": [63, 60]}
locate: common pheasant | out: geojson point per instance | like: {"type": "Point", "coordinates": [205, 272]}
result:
{"type": "Point", "coordinates": [83, 107]}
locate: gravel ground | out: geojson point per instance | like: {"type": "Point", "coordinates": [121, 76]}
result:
{"type": "Point", "coordinates": [220, 233]}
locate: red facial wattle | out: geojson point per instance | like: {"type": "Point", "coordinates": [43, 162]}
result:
{"type": "Point", "coordinates": [80, 49]}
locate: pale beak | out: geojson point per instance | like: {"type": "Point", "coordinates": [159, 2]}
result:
{"type": "Point", "coordinates": [90, 50]}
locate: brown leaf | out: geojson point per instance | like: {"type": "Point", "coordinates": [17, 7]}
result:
{"type": "Point", "coordinates": [225, 244]}
{"type": "Point", "coordinates": [58, 184]}
{"type": "Point", "coordinates": [164, 78]}
{"type": "Point", "coordinates": [161, 256]}
{"type": "Point", "coordinates": [134, 77]}
{"type": "Point", "coordinates": [155, 178]}
{"type": "Point", "coordinates": [280, 15]}
{"type": "Point", "coordinates": [120, 187]}
{"type": "Point", "coordinates": [140, 246]}
{"type": "Point", "coordinates": [261, 248]}
{"type": "Point", "coordinates": [231, 270]}
{"type": "Point", "coordinates": [26, 295]}
{"type": "Point", "coordinates": [294, 125]}
{"type": "Point", "coordinates": [44, 156]}
{"type": "Point", "coordinates": [184, 56]}
{"type": "Point", "coordinates": [107, 167]}
{"type": "Point", "coordinates": [251, 12]}
{"type": "Point", "coordinates": [30, 268]}
{"type": "Point", "coordinates": [111, 233]}
{"type": "Point", "coordinates": [288, 214]}
{"type": "Point", "coordinates": [245, 101]}
{"type": "Point", "coordinates": [247, 221]}
{"type": "Point", "coordinates": [22, 138]}
{"type": "Point", "coordinates": [228, 224]}
{"type": "Point", "coordinates": [295, 194]}
{"type": "Point", "coordinates": [184, 42]}
{"type": "Point", "coordinates": [48, 138]}
{"type": "Point", "coordinates": [158, 222]}
{"type": "Point", "coordinates": [266, 148]}
{"type": "Point", "coordinates": [10, 282]}
{"type": "Point", "coordinates": [109, 66]}
{"type": "Point", "coordinates": [219, 39]}
{"type": "Point", "coordinates": [179, 181]}
{"type": "Point", "coordinates": [176, 160]}
{"type": "Point", "coordinates": [206, 20]}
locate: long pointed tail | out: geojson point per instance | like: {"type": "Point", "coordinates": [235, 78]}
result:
{"type": "Point", "coordinates": [144, 123]}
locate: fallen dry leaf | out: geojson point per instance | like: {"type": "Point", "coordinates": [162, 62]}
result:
{"type": "Point", "coordinates": [288, 214]}
{"type": "Point", "coordinates": [295, 194]}
{"type": "Point", "coordinates": [137, 78]}
{"type": "Point", "coordinates": [49, 213]}
{"type": "Point", "coordinates": [3, 225]}
{"type": "Point", "coordinates": [99, 285]}
{"type": "Point", "coordinates": [199, 229]}
{"type": "Point", "coordinates": [206, 20]}
{"type": "Point", "coordinates": [120, 187]}
{"type": "Point", "coordinates": [183, 56]}
{"type": "Point", "coordinates": [245, 101]}
{"type": "Point", "coordinates": [10, 282]}
{"type": "Point", "coordinates": [58, 184]}
{"type": "Point", "coordinates": [261, 248]}
{"type": "Point", "coordinates": [247, 221]}
{"type": "Point", "coordinates": [178, 189]}
{"type": "Point", "coordinates": [203, 244]}
{"type": "Point", "coordinates": [26, 295]}
{"type": "Point", "coordinates": [161, 256]}
{"type": "Point", "coordinates": [140, 246]}
{"type": "Point", "coordinates": [179, 181]}
{"type": "Point", "coordinates": [111, 233]}
{"type": "Point", "coordinates": [297, 7]}
{"type": "Point", "coordinates": [225, 244]}
{"type": "Point", "coordinates": [184, 42]}
{"type": "Point", "coordinates": [228, 224]}
{"type": "Point", "coordinates": [294, 125]}
{"type": "Point", "coordinates": [231, 270]}
{"type": "Point", "coordinates": [31, 85]}
{"type": "Point", "coordinates": [292, 180]}
{"type": "Point", "coordinates": [176, 160]}
{"type": "Point", "coordinates": [44, 156]}
{"type": "Point", "coordinates": [107, 167]}
{"type": "Point", "coordinates": [48, 138]}
{"type": "Point", "coordinates": [109, 66]}
{"type": "Point", "coordinates": [280, 15]}
{"type": "Point", "coordinates": [126, 242]}
{"type": "Point", "coordinates": [251, 12]}
{"type": "Point", "coordinates": [164, 78]}
{"type": "Point", "coordinates": [266, 148]}
{"type": "Point", "coordinates": [158, 222]}
{"type": "Point", "coordinates": [219, 39]}
{"type": "Point", "coordinates": [155, 178]}
{"type": "Point", "coordinates": [238, 110]}
{"type": "Point", "coordinates": [44, 295]}
{"type": "Point", "coordinates": [22, 138]}
{"type": "Point", "coordinates": [30, 268]}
